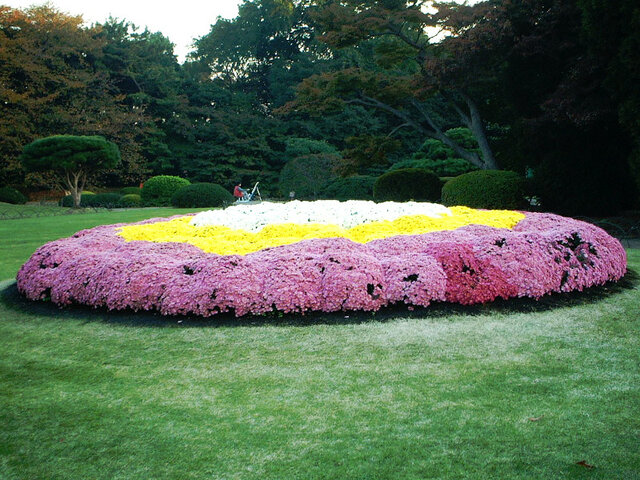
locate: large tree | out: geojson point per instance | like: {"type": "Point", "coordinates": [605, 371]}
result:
{"type": "Point", "coordinates": [53, 81]}
{"type": "Point", "coordinates": [404, 69]}
{"type": "Point", "coordinates": [72, 158]}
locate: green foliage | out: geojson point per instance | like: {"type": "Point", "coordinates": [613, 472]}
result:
{"type": "Point", "coordinates": [70, 153]}
{"type": "Point", "coordinates": [298, 147]}
{"type": "Point", "coordinates": [307, 175]}
{"type": "Point", "coordinates": [95, 200]}
{"type": "Point", "coordinates": [200, 195]}
{"type": "Point", "coordinates": [11, 195]}
{"type": "Point", "coordinates": [407, 184]}
{"type": "Point", "coordinates": [448, 167]}
{"type": "Point", "coordinates": [101, 200]}
{"type": "Point", "coordinates": [130, 191]}
{"type": "Point", "coordinates": [497, 189]}
{"type": "Point", "coordinates": [67, 200]}
{"type": "Point", "coordinates": [367, 151]}
{"type": "Point", "coordinates": [72, 157]}
{"type": "Point", "coordinates": [130, 200]}
{"type": "Point", "coordinates": [158, 190]}
{"type": "Point", "coordinates": [441, 159]}
{"type": "Point", "coordinates": [356, 187]}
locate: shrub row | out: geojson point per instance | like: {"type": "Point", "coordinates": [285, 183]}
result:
{"type": "Point", "coordinates": [201, 195]}
{"type": "Point", "coordinates": [492, 189]}
{"type": "Point", "coordinates": [11, 195]}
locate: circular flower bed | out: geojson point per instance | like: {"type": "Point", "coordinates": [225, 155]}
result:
{"type": "Point", "coordinates": [329, 256]}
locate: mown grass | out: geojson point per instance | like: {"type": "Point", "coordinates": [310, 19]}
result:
{"type": "Point", "coordinates": [518, 389]}
{"type": "Point", "coordinates": [21, 237]}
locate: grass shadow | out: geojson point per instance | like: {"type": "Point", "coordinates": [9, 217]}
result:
{"type": "Point", "coordinates": [12, 300]}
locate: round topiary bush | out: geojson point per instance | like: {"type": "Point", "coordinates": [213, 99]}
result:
{"type": "Point", "coordinates": [407, 184]}
{"type": "Point", "coordinates": [130, 200]}
{"type": "Point", "coordinates": [130, 191]}
{"type": "Point", "coordinates": [493, 189]}
{"type": "Point", "coordinates": [13, 196]}
{"type": "Point", "coordinates": [199, 195]}
{"type": "Point", "coordinates": [157, 191]}
{"type": "Point", "coordinates": [357, 187]}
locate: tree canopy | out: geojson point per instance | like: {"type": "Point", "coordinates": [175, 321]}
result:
{"type": "Point", "coordinates": [73, 158]}
{"type": "Point", "coordinates": [545, 87]}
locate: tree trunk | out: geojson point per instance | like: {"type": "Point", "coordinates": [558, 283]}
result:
{"type": "Point", "coordinates": [75, 182]}
{"type": "Point", "coordinates": [480, 134]}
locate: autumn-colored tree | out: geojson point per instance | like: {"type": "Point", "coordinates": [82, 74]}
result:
{"type": "Point", "coordinates": [72, 158]}
{"type": "Point", "coordinates": [53, 81]}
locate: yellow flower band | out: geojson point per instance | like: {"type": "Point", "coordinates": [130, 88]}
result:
{"type": "Point", "coordinates": [226, 241]}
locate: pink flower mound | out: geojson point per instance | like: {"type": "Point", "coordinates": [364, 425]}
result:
{"type": "Point", "coordinates": [544, 253]}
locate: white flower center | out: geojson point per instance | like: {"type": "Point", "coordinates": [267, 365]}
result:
{"type": "Point", "coordinates": [255, 217]}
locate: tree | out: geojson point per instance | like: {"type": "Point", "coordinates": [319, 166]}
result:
{"type": "Point", "coordinates": [307, 175]}
{"type": "Point", "coordinates": [552, 87]}
{"type": "Point", "coordinates": [74, 158]}
{"type": "Point", "coordinates": [53, 80]}
{"type": "Point", "coordinates": [612, 33]}
{"type": "Point", "coordinates": [404, 70]}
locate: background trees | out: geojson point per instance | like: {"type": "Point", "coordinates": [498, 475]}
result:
{"type": "Point", "coordinates": [547, 88]}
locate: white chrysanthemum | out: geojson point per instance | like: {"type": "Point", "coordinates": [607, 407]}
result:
{"type": "Point", "coordinates": [254, 217]}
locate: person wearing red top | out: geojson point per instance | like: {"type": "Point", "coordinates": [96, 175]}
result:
{"type": "Point", "coordinates": [238, 191]}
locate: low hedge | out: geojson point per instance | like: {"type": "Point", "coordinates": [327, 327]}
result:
{"type": "Point", "coordinates": [131, 191]}
{"type": "Point", "coordinates": [357, 187]}
{"type": "Point", "coordinates": [130, 200]}
{"type": "Point", "coordinates": [67, 200]}
{"type": "Point", "coordinates": [201, 195]}
{"type": "Point", "coordinates": [157, 191]}
{"type": "Point", "coordinates": [11, 195]}
{"type": "Point", "coordinates": [100, 200]}
{"type": "Point", "coordinates": [492, 189]}
{"type": "Point", "coordinates": [407, 184]}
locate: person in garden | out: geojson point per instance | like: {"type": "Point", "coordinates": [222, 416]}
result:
{"type": "Point", "coordinates": [239, 192]}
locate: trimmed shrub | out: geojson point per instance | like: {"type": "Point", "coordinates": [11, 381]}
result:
{"type": "Point", "coordinates": [446, 167]}
{"type": "Point", "coordinates": [493, 189]}
{"type": "Point", "coordinates": [13, 196]}
{"type": "Point", "coordinates": [357, 187]}
{"type": "Point", "coordinates": [131, 191]}
{"type": "Point", "coordinates": [67, 200]}
{"type": "Point", "coordinates": [407, 184]}
{"type": "Point", "coordinates": [157, 191]}
{"type": "Point", "coordinates": [130, 200]}
{"type": "Point", "coordinates": [199, 195]}
{"type": "Point", "coordinates": [100, 200]}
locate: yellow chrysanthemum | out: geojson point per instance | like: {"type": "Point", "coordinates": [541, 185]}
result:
{"type": "Point", "coordinates": [227, 241]}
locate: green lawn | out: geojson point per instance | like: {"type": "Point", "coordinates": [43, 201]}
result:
{"type": "Point", "coordinates": [518, 389]}
{"type": "Point", "coordinates": [19, 238]}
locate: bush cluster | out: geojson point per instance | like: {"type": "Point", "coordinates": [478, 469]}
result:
{"type": "Point", "coordinates": [407, 184]}
{"type": "Point", "coordinates": [131, 191]}
{"type": "Point", "coordinates": [492, 189]}
{"type": "Point", "coordinates": [201, 195]}
{"type": "Point", "coordinates": [11, 195]}
{"type": "Point", "coordinates": [101, 200]}
{"type": "Point", "coordinates": [95, 200]}
{"type": "Point", "coordinates": [157, 191]}
{"type": "Point", "coordinates": [357, 187]}
{"type": "Point", "coordinates": [67, 200]}
{"type": "Point", "coordinates": [130, 200]}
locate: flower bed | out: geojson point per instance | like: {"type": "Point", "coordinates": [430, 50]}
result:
{"type": "Point", "coordinates": [242, 262]}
